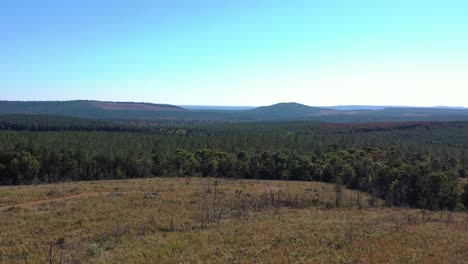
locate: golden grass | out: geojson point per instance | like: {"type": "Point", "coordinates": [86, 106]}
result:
{"type": "Point", "coordinates": [161, 220]}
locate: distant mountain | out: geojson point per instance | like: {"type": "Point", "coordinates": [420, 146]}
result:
{"type": "Point", "coordinates": [290, 107]}
{"type": "Point", "coordinates": [450, 107]}
{"type": "Point", "coordinates": [277, 112]}
{"type": "Point", "coordinates": [285, 111]}
{"type": "Point", "coordinates": [380, 107]}
{"type": "Point", "coordinates": [361, 107]}
{"type": "Point", "coordinates": [295, 111]}
{"type": "Point", "coordinates": [216, 107]}
{"type": "Point", "coordinates": [84, 108]}
{"type": "Point", "coordinates": [133, 106]}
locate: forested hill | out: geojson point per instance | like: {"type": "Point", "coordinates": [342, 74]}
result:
{"type": "Point", "coordinates": [171, 114]}
{"type": "Point", "coordinates": [85, 108]}
{"type": "Point", "coordinates": [288, 111]}
{"type": "Point", "coordinates": [295, 111]}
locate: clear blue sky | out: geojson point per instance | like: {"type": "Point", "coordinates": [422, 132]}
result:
{"type": "Point", "coordinates": [243, 52]}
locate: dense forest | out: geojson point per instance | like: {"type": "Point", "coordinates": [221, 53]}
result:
{"type": "Point", "coordinates": [422, 164]}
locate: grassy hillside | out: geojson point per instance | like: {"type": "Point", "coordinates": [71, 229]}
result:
{"type": "Point", "coordinates": [218, 221]}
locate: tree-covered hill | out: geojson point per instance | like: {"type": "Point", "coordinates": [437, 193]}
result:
{"type": "Point", "coordinates": [85, 108]}
{"type": "Point", "coordinates": [175, 115]}
{"type": "Point", "coordinates": [287, 111]}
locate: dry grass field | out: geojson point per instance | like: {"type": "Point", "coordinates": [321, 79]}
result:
{"type": "Point", "coordinates": [192, 220]}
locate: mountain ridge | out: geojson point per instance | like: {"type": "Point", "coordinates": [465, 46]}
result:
{"type": "Point", "coordinates": [284, 111]}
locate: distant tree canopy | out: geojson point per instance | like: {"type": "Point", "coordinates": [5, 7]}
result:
{"type": "Point", "coordinates": [420, 166]}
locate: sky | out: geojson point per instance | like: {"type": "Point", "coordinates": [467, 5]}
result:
{"type": "Point", "coordinates": [236, 52]}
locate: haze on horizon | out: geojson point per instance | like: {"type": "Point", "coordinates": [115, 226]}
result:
{"type": "Point", "coordinates": [207, 52]}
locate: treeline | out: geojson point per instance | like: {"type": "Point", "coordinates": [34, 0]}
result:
{"type": "Point", "coordinates": [43, 123]}
{"type": "Point", "coordinates": [413, 179]}
{"type": "Point", "coordinates": [418, 165]}
{"type": "Point", "coordinates": [63, 123]}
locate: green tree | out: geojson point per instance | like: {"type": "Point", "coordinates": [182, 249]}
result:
{"type": "Point", "coordinates": [338, 192]}
{"type": "Point", "coordinates": [465, 196]}
{"type": "Point", "coordinates": [26, 168]}
{"type": "Point", "coordinates": [182, 162]}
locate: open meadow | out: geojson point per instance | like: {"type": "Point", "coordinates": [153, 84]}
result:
{"type": "Point", "coordinates": [207, 220]}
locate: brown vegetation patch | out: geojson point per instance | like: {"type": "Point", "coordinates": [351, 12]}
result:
{"type": "Point", "coordinates": [134, 106]}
